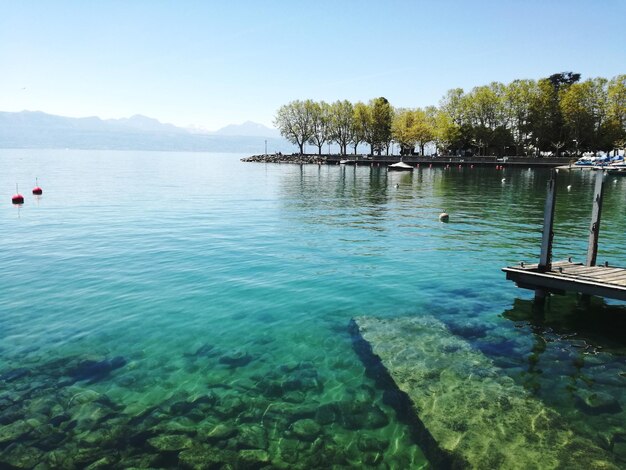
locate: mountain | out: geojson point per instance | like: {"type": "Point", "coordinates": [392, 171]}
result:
{"type": "Point", "coordinates": [248, 128]}
{"type": "Point", "coordinates": [35, 129]}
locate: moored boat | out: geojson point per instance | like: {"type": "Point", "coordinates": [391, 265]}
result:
{"type": "Point", "coordinates": [400, 166]}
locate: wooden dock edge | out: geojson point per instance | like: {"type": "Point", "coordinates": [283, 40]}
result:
{"type": "Point", "coordinates": [553, 282]}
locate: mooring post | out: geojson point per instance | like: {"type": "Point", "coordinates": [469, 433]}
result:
{"type": "Point", "coordinates": [596, 213]}
{"type": "Point", "coordinates": [545, 258]}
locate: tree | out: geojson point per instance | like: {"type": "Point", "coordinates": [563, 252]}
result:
{"type": "Point", "coordinates": [425, 128]}
{"type": "Point", "coordinates": [453, 105]}
{"type": "Point", "coordinates": [362, 125]}
{"type": "Point", "coordinates": [616, 111]}
{"type": "Point", "coordinates": [382, 116]}
{"type": "Point", "coordinates": [486, 113]}
{"type": "Point", "coordinates": [518, 98]}
{"type": "Point", "coordinates": [295, 122]}
{"type": "Point", "coordinates": [404, 130]}
{"type": "Point", "coordinates": [446, 132]}
{"type": "Point", "coordinates": [320, 125]}
{"type": "Point", "coordinates": [341, 123]}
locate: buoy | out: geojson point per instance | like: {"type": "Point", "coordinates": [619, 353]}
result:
{"type": "Point", "coordinates": [460, 166]}
{"type": "Point", "coordinates": [471, 166]}
{"type": "Point", "coordinates": [569, 186]}
{"type": "Point", "coordinates": [396, 186]}
{"type": "Point", "coordinates": [503, 180]}
{"type": "Point", "coordinates": [430, 166]}
{"type": "Point", "coordinates": [444, 217]}
{"type": "Point", "coordinates": [37, 190]}
{"type": "Point", "coordinates": [17, 198]}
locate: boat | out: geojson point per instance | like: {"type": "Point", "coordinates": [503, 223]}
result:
{"type": "Point", "coordinates": [584, 161]}
{"type": "Point", "coordinates": [400, 166]}
{"type": "Point", "coordinates": [347, 162]}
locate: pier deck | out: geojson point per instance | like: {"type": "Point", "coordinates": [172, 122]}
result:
{"type": "Point", "coordinates": [566, 276]}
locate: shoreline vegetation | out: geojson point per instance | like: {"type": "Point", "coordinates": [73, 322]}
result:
{"type": "Point", "coordinates": [553, 116]}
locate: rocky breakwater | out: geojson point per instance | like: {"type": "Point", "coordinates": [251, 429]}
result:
{"type": "Point", "coordinates": [280, 158]}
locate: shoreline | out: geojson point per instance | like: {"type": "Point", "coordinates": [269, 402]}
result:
{"type": "Point", "coordinates": [416, 161]}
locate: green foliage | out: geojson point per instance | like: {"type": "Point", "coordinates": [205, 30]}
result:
{"type": "Point", "coordinates": [525, 117]}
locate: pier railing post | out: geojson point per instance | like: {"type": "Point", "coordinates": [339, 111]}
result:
{"type": "Point", "coordinates": [545, 258]}
{"type": "Point", "coordinates": [594, 228]}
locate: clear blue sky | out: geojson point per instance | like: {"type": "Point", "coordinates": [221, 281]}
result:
{"type": "Point", "coordinates": [213, 63]}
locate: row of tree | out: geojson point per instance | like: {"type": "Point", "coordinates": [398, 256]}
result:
{"type": "Point", "coordinates": [525, 117]}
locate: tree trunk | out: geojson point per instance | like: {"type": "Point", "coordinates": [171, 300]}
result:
{"type": "Point", "coordinates": [320, 149]}
{"type": "Point", "coordinates": [372, 149]}
{"type": "Point", "coordinates": [301, 148]}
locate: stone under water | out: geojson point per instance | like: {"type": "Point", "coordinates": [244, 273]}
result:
{"type": "Point", "coordinates": [466, 409]}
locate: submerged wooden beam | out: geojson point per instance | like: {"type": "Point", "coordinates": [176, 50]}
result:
{"type": "Point", "coordinates": [478, 417]}
{"type": "Point", "coordinates": [596, 213]}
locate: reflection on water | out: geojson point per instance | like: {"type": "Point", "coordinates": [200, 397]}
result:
{"type": "Point", "coordinates": [165, 309]}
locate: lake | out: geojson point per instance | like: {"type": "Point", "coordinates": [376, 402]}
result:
{"type": "Point", "coordinates": [186, 310]}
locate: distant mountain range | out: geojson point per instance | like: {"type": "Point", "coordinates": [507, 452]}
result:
{"type": "Point", "coordinates": [35, 129]}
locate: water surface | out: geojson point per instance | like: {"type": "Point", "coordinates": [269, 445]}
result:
{"type": "Point", "coordinates": [187, 309]}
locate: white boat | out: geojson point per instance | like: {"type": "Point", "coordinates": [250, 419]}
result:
{"type": "Point", "coordinates": [400, 166]}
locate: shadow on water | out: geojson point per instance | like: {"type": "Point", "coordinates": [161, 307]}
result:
{"type": "Point", "coordinates": [592, 320]}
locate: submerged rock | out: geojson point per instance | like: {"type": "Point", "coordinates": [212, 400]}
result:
{"type": "Point", "coordinates": [15, 374]}
{"type": "Point", "coordinates": [14, 431]}
{"type": "Point", "coordinates": [236, 359]}
{"type": "Point", "coordinates": [253, 458]}
{"type": "Point", "coordinates": [170, 442]}
{"type": "Point", "coordinates": [597, 402]}
{"type": "Point", "coordinates": [372, 444]}
{"type": "Point", "coordinates": [202, 457]}
{"type": "Point", "coordinates": [95, 371]}
{"type": "Point", "coordinates": [20, 456]}
{"type": "Point", "coordinates": [252, 437]}
{"type": "Point", "coordinates": [306, 429]}
{"type": "Point", "coordinates": [221, 432]}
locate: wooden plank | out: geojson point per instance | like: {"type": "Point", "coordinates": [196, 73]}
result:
{"type": "Point", "coordinates": [607, 275]}
{"type": "Point", "coordinates": [545, 257]}
{"type": "Point", "coordinates": [581, 270]}
{"type": "Point", "coordinates": [615, 278]}
{"type": "Point", "coordinates": [594, 228]}
{"type": "Point", "coordinates": [596, 273]}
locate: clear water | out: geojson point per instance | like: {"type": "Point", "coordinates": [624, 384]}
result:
{"type": "Point", "coordinates": [225, 290]}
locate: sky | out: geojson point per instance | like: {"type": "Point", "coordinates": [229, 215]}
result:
{"type": "Point", "coordinates": [211, 63]}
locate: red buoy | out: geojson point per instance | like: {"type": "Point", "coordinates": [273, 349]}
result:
{"type": "Point", "coordinates": [17, 198]}
{"type": "Point", "coordinates": [37, 190]}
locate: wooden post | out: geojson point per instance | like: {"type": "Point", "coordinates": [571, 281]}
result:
{"type": "Point", "coordinates": [594, 228]}
{"type": "Point", "coordinates": [545, 258]}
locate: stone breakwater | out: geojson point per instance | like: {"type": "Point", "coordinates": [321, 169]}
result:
{"type": "Point", "coordinates": [280, 158]}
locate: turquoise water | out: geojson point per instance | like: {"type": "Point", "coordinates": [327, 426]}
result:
{"type": "Point", "coordinates": [147, 295]}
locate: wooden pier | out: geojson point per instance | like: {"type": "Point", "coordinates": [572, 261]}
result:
{"type": "Point", "coordinates": [567, 276]}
